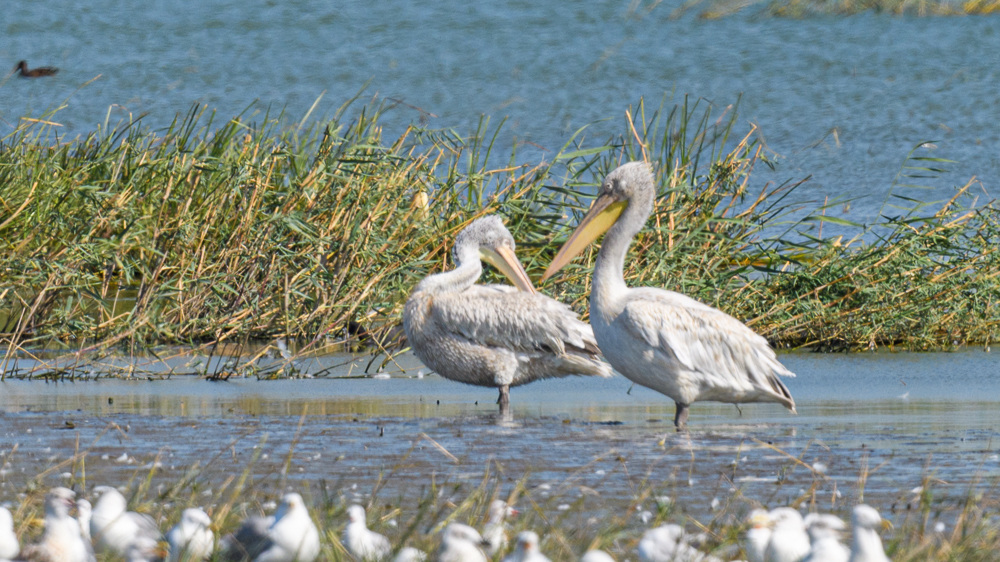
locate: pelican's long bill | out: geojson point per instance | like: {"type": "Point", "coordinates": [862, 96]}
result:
{"type": "Point", "coordinates": [602, 214]}
{"type": "Point", "coordinates": [504, 259]}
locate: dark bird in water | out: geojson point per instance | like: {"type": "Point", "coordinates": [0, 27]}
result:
{"type": "Point", "coordinates": [35, 72]}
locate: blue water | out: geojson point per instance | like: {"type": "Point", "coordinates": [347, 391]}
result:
{"type": "Point", "coordinates": [841, 100]}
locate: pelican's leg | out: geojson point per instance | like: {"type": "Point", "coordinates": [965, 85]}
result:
{"type": "Point", "coordinates": [681, 417]}
{"type": "Point", "coordinates": [504, 399]}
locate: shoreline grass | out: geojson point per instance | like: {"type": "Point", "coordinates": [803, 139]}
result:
{"type": "Point", "coordinates": [570, 518]}
{"type": "Point", "coordinates": [210, 235]}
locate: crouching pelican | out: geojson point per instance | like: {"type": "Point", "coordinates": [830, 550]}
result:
{"type": "Point", "coordinates": [659, 339]}
{"type": "Point", "coordinates": [495, 335]}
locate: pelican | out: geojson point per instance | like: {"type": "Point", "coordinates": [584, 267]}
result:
{"type": "Point", "coordinates": [495, 335]}
{"type": "Point", "coordinates": [659, 339]}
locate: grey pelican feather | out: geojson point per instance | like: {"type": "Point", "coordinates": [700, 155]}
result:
{"type": "Point", "coordinates": [495, 335]}
{"type": "Point", "coordinates": [659, 339]}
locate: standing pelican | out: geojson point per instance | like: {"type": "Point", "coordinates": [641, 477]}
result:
{"type": "Point", "coordinates": [659, 339]}
{"type": "Point", "coordinates": [495, 335]}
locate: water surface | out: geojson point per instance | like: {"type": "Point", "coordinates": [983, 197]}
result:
{"type": "Point", "coordinates": [896, 419]}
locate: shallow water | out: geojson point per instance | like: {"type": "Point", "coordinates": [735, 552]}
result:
{"type": "Point", "coordinates": [894, 418]}
{"type": "Point", "coordinates": [842, 100]}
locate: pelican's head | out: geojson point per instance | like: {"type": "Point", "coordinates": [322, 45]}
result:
{"type": "Point", "coordinates": [628, 184]}
{"type": "Point", "coordinates": [492, 241]}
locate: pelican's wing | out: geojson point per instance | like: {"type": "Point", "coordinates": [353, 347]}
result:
{"type": "Point", "coordinates": [502, 316]}
{"type": "Point", "coordinates": [702, 338]}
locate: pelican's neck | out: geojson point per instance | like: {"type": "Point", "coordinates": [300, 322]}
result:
{"type": "Point", "coordinates": [609, 280]}
{"type": "Point", "coordinates": [468, 268]}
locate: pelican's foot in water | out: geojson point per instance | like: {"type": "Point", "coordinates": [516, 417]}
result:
{"type": "Point", "coordinates": [681, 416]}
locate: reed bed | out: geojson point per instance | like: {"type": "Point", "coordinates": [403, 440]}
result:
{"type": "Point", "coordinates": [798, 9]}
{"type": "Point", "coordinates": [231, 234]}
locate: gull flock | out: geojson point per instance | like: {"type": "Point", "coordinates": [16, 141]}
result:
{"type": "Point", "coordinates": [111, 531]}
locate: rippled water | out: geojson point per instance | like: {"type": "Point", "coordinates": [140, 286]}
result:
{"type": "Point", "coordinates": [839, 99]}
{"type": "Point", "coordinates": [894, 418]}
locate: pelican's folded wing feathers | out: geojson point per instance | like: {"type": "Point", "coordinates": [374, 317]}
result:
{"type": "Point", "coordinates": [502, 316]}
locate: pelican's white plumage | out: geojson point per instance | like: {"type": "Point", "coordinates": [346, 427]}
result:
{"type": "Point", "coordinates": [789, 541]}
{"type": "Point", "coordinates": [9, 547]}
{"type": "Point", "coordinates": [62, 540]}
{"type": "Point", "coordinates": [115, 529]}
{"type": "Point", "coordinates": [362, 543]}
{"type": "Point", "coordinates": [659, 339]}
{"type": "Point", "coordinates": [191, 539]}
{"type": "Point", "coordinates": [495, 530]}
{"type": "Point", "coordinates": [526, 549]}
{"type": "Point", "coordinates": [495, 335]}
{"type": "Point", "coordinates": [667, 544]}
{"type": "Point", "coordinates": [866, 546]}
{"type": "Point", "coordinates": [824, 534]}
{"type": "Point", "coordinates": [288, 536]}
{"type": "Point", "coordinates": [461, 543]}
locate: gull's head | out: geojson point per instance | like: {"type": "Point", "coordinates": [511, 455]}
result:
{"type": "Point", "coordinates": [626, 185]}
{"type": "Point", "coordinates": [824, 525]}
{"type": "Point", "coordinates": [194, 518]}
{"type": "Point", "coordinates": [84, 509]}
{"type": "Point", "coordinates": [356, 514]}
{"type": "Point", "coordinates": [527, 542]}
{"type": "Point", "coordinates": [460, 532]}
{"type": "Point", "coordinates": [499, 510]}
{"type": "Point", "coordinates": [786, 518]}
{"type": "Point", "coordinates": [59, 501]}
{"type": "Point", "coordinates": [290, 503]}
{"type": "Point", "coordinates": [867, 517]}
{"type": "Point", "coordinates": [759, 519]}
{"type": "Point", "coordinates": [6, 521]}
{"type": "Point", "coordinates": [492, 243]}
{"type": "Point", "coordinates": [111, 503]}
